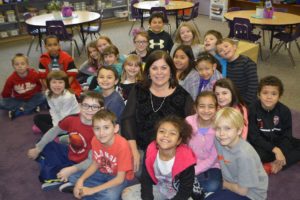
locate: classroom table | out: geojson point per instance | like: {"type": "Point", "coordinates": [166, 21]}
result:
{"type": "Point", "coordinates": [279, 19]}
{"type": "Point", "coordinates": [79, 18]}
{"type": "Point", "coordinates": [172, 6]}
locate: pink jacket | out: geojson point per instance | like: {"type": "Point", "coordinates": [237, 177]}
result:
{"type": "Point", "coordinates": [245, 116]}
{"type": "Point", "coordinates": [203, 146]}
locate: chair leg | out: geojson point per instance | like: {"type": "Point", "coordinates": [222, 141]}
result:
{"type": "Point", "coordinates": [29, 48]}
{"type": "Point", "coordinates": [260, 51]}
{"type": "Point", "coordinates": [263, 37]}
{"type": "Point", "coordinates": [131, 27]}
{"type": "Point", "coordinates": [297, 44]}
{"type": "Point", "coordinates": [279, 47]}
{"type": "Point", "coordinates": [288, 47]}
{"type": "Point", "coordinates": [76, 47]}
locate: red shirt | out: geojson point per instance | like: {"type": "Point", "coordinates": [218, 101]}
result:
{"type": "Point", "coordinates": [22, 88]}
{"type": "Point", "coordinates": [80, 136]}
{"type": "Point", "coordinates": [115, 158]}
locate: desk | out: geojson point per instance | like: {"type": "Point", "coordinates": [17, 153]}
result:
{"type": "Point", "coordinates": [172, 6]}
{"type": "Point", "coordinates": [79, 18]}
{"type": "Point", "coordinates": [279, 19]}
{"type": "Point", "coordinates": [248, 49]}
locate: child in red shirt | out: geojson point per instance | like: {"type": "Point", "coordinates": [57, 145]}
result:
{"type": "Point", "coordinates": [22, 90]}
{"type": "Point", "coordinates": [56, 59]}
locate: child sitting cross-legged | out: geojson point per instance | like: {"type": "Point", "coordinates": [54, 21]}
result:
{"type": "Point", "coordinates": [112, 167]}
{"type": "Point", "coordinates": [58, 161]}
{"type": "Point", "coordinates": [22, 90]}
{"type": "Point", "coordinates": [270, 127]}
{"type": "Point", "coordinates": [244, 177]}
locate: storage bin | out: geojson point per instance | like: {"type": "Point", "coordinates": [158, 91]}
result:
{"type": "Point", "coordinates": [13, 32]}
{"type": "Point", "coordinates": [121, 13]}
{"type": "Point", "coordinates": [2, 20]}
{"type": "Point", "coordinates": [3, 34]}
{"type": "Point", "coordinates": [118, 3]}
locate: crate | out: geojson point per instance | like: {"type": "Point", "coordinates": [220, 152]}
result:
{"type": "Point", "coordinates": [121, 13]}
{"type": "Point", "coordinates": [13, 32]}
{"type": "Point", "coordinates": [118, 3]}
{"type": "Point", "coordinates": [3, 34]}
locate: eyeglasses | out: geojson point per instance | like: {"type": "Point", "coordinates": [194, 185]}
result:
{"type": "Point", "coordinates": [93, 107]}
{"type": "Point", "coordinates": [141, 42]}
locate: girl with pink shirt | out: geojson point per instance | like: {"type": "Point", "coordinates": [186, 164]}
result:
{"type": "Point", "coordinates": [207, 170]}
{"type": "Point", "coordinates": [228, 96]}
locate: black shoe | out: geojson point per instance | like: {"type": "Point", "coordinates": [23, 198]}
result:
{"type": "Point", "coordinates": [67, 187]}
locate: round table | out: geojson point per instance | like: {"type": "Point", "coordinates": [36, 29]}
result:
{"type": "Point", "coordinates": [78, 19]}
{"type": "Point", "coordinates": [279, 19]}
{"type": "Point", "coordinates": [172, 6]}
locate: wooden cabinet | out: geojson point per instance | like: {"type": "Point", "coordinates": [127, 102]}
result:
{"type": "Point", "coordinates": [247, 5]}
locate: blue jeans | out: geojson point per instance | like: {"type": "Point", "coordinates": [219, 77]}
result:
{"type": "Point", "coordinates": [210, 180]}
{"type": "Point", "coordinates": [29, 105]}
{"type": "Point", "coordinates": [226, 195]}
{"type": "Point", "coordinates": [99, 178]}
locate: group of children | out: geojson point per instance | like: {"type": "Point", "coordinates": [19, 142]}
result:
{"type": "Point", "coordinates": [206, 155]}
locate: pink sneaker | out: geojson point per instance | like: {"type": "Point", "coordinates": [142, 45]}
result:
{"type": "Point", "coordinates": [36, 130]}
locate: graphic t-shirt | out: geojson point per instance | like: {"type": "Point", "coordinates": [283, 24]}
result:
{"type": "Point", "coordinates": [80, 136]}
{"type": "Point", "coordinates": [115, 158]}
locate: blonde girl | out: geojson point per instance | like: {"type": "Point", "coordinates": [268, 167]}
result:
{"type": "Point", "coordinates": [132, 73]}
{"type": "Point", "coordinates": [187, 34]}
{"type": "Point", "coordinates": [61, 100]}
{"type": "Point", "coordinates": [207, 170]}
{"type": "Point", "coordinates": [103, 42]}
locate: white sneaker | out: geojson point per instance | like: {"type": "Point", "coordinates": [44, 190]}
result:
{"type": "Point", "coordinates": [66, 187]}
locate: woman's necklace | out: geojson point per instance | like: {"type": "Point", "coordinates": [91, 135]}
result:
{"type": "Point", "coordinates": [161, 104]}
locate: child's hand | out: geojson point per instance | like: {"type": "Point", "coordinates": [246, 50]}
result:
{"type": "Point", "coordinates": [279, 156]}
{"type": "Point", "coordinates": [78, 189]}
{"type": "Point", "coordinates": [276, 166]}
{"type": "Point", "coordinates": [64, 173]}
{"type": "Point", "coordinates": [33, 153]}
{"type": "Point", "coordinates": [86, 191]}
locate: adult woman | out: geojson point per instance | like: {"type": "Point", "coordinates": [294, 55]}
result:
{"type": "Point", "coordinates": [157, 96]}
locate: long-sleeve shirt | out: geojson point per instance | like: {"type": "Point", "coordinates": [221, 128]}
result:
{"type": "Point", "coordinates": [243, 73]}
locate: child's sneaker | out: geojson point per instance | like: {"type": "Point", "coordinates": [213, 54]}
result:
{"type": "Point", "coordinates": [268, 168]}
{"type": "Point", "coordinates": [66, 187]}
{"type": "Point", "coordinates": [37, 109]}
{"type": "Point", "coordinates": [36, 130]}
{"type": "Point", "coordinates": [11, 114]}
{"type": "Point", "coordinates": [51, 185]}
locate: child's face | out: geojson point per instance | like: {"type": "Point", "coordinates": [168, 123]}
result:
{"type": "Point", "coordinates": [160, 73]}
{"type": "Point", "coordinates": [168, 136]}
{"type": "Point", "coordinates": [224, 96]}
{"type": "Point", "coordinates": [226, 50]}
{"type": "Point", "coordinates": [52, 46]}
{"type": "Point", "coordinates": [210, 43]}
{"type": "Point", "coordinates": [104, 131]}
{"type": "Point", "coordinates": [181, 60]}
{"type": "Point", "coordinates": [206, 69]}
{"type": "Point", "coordinates": [110, 59]}
{"type": "Point", "coordinates": [57, 86]}
{"type": "Point", "coordinates": [140, 43]}
{"type": "Point", "coordinates": [269, 96]}
{"type": "Point", "coordinates": [131, 69]}
{"type": "Point", "coordinates": [186, 35]}
{"type": "Point", "coordinates": [102, 44]}
{"type": "Point", "coordinates": [93, 53]}
{"type": "Point", "coordinates": [227, 134]}
{"type": "Point", "coordinates": [156, 25]}
{"type": "Point", "coordinates": [20, 65]}
{"type": "Point", "coordinates": [88, 108]}
{"type": "Point", "coordinates": [206, 108]}
{"type": "Point", "coordinates": [106, 79]}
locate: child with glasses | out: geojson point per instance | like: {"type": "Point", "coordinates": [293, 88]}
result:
{"type": "Point", "coordinates": [58, 161]}
{"type": "Point", "coordinates": [141, 42]}
{"type": "Point", "coordinates": [206, 65]}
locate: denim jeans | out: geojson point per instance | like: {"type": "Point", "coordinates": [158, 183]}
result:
{"type": "Point", "coordinates": [210, 180]}
{"type": "Point", "coordinates": [99, 178]}
{"type": "Point", "coordinates": [226, 195]}
{"type": "Point", "coordinates": [29, 105]}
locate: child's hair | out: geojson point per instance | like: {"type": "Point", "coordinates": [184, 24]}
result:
{"type": "Point", "coordinates": [57, 75]}
{"type": "Point", "coordinates": [112, 49]}
{"type": "Point", "coordinates": [154, 56]}
{"type": "Point", "coordinates": [189, 52]}
{"type": "Point", "coordinates": [93, 95]}
{"type": "Point", "coordinates": [156, 15]}
{"type": "Point", "coordinates": [19, 55]}
{"type": "Point", "coordinates": [196, 36]}
{"type": "Point", "coordinates": [206, 94]}
{"type": "Point", "coordinates": [103, 37]}
{"type": "Point", "coordinates": [231, 115]}
{"type": "Point", "coordinates": [236, 98]}
{"type": "Point", "coordinates": [91, 61]}
{"type": "Point", "coordinates": [141, 33]}
{"type": "Point", "coordinates": [105, 114]}
{"type": "Point", "coordinates": [271, 81]}
{"type": "Point", "coordinates": [50, 37]}
{"type": "Point", "coordinates": [185, 130]}
{"type": "Point", "coordinates": [230, 41]}
{"type": "Point", "coordinates": [136, 60]}
{"type": "Point", "coordinates": [110, 68]}
{"type": "Point", "coordinates": [215, 33]}
{"type": "Point", "coordinates": [205, 56]}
